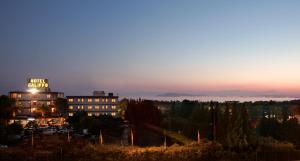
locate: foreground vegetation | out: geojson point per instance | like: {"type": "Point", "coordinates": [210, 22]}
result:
{"type": "Point", "coordinates": [56, 147]}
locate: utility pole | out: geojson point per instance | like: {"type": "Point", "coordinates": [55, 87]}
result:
{"type": "Point", "coordinates": [32, 139]}
{"type": "Point", "coordinates": [131, 134]}
{"type": "Point", "coordinates": [69, 139]}
{"type": "Point", "coordinates": [100, 138]}
{"type": "Point", "coordinates": [198, 137]}
{"type": "Point", "coordinates": [165, 140]}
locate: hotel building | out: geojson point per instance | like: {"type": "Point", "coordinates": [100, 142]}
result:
{"type": "Point", "coordinates": [96, 105]}
{"type": "Point", "coordinates": [37, 95]}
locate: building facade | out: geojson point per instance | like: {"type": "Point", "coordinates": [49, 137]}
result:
{"type": "Point", "coordinates": [37, 95]}
{"type": "Point", "coordinates": [27, 103]}
{"type": "Point", "coordinates": [96, 105]}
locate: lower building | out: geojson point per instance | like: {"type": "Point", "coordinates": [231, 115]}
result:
{"type": "Point", "coordinates": [95, 105]}
{"type": "Point", "coordinates": [27, 103]}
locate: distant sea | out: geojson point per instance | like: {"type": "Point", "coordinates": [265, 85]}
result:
{"type": "Point", "coordinates": [216, 98]}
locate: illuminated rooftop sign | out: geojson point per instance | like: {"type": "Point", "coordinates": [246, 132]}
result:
{"type": "Point", "coordinates": [37, 83]}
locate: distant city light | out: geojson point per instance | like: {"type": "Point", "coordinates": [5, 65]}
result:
{"type": "Point", "coordinates": [33, 91]}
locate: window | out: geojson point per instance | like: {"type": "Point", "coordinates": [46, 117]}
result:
{"type": "Point", "coordinates": [106, 107]}
{"type": "Point", "coordinates": [113, 114]}
{"type": "Point", "coordinates": [97, 107]}
{"type": "Point", "coordinates": [90, 114]}
{"type": "Point", "coordinates": [14, 95]}
{"type": "Point", "coordinates": [102, 107]}
{"type": "Point", "coordinates": [113, 107]}
{"type": "Point", "coordinates": [71, 107]}
{"type": "Point", "coordinates": [70, 114]}
{"type": "Point", "coordinates": [113, 100]}
{"type": "Point", "coordinates": [90, 100]}
{"type": "Point", "coordinates": [79, 100]}
{"type": "Point", "coordinates": [102, 99]}
{"type": "Point", "coordinates": [78, 107]}
{"type": "Point", "coordinates": [97, 100]}
{"type": "Point", "coordinates": [71, 100]}
{"type": "Point", "coordinates": [19, 96]}
{"type": "Point", "coordinates": [89, 107]}
{"type": "Point", "coordinates": [48, 96]}
{"type": "Point", "coordinates": [97, 114]}
{"type": "Point", "coordinates": [82, 100]}
{"type": "Point", "coordinates": [106, 100]}
{"type": "Point", "coordinates": [48, 103]}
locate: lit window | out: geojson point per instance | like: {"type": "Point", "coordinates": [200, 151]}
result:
{"type": "Point", "coordinates": [106, 107]}
{"type": "Point", "coordinates": [90, 114]}
{"type": "Point", "coordinates": [113, 107]}
{"type": "Point", "coordinates": [97, 107]}
{"type": "Point", "coordinates": [70, 114]}
{"type": "Point", "coordinates": [113, 100]}
{"type": "Point", "coordinates": [48, 96]}
{"type": "Point", "coordinates": [14, 95]}
{"type": "Point", "coordinates": [48, 103]}
{"type": "Point", "coordinates": [79, 100]}
{"type": "Point", "coordinates": [89, 107]}
{"type": "Point", "coordinates": [102, 99]}
{"type": "Point", "coordinates": [82, 100]}
{"type": "Point", "coordinates": [97, 114]}
{"type": "Point", "coordinates": [19, 95]}
{"type": "Point", "coordinates": [113, 114]}
{"type": "Point", "coordinates": [102, 107]}
{"type": "Point", "coordinates": [78, 107]}
{"type": "Point", "coordinates": [97, 100]}
{"type": "Point", "coordinates": [106, 100]}
{"type": "Point", "coordinates": [71, 107]}
{"type": "Point", "coordinates": [82, 107]}
{"type": "Point", "coordinates": [89, 100]}
{"type": "Point", "coordinates": [71, 100]}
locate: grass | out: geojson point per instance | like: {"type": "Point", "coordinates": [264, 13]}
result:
{"type": "Point", "coordinates": [56, 148]}
{"type": "Point", "coordinates": [173, 135]}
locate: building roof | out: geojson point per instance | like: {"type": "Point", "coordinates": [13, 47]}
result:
{"type": "Point", "coordinates": [43, 92]}
{"type": "Point", "coordinates": [92, 96]}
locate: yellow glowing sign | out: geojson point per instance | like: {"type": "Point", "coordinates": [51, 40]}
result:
{"type": "Point", "coordinates": [37, 83]}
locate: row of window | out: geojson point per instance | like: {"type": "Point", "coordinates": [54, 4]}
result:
{"type": "Point", "coordinates": [96, 113]}
{"type": "Point", "coordinates": [15, 95]}
{"type": "Point", "coordinates": [34, 103]}
{"type": "Point", "coordinates": [93, 107]}
{"type": "Point", "coordinates": [91, 100]}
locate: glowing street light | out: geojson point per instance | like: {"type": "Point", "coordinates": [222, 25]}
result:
{"type": "Point", "coordinates": [33, 90]}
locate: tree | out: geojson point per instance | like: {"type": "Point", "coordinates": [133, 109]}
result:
{"type": "Point", "coordinates": [122, 106]}
{"type": "Point", "coordinates": [241, 136]}
{"type": "Point", "coordinates": [6, 109]}
{"type": "Point", "coordinates": [141, 112]}
{"type": "Point", "coordinates": [76, 119]}
{"type": "Point", "coordinates": [61, 106]}
{"type": "Point", "coordinates": [43, 109]}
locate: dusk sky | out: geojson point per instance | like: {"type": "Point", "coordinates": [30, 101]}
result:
{"type": "Point", "coordinates": [146, 47]}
